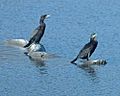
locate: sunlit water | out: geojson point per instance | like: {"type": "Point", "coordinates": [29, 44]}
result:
{"type": "Point", "coordinates": [68, 29]}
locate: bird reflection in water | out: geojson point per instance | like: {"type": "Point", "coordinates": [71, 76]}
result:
{"type": "Point", "coordinates": [40, 64]}
{"type": "Point", "coordinates": [88, 69]}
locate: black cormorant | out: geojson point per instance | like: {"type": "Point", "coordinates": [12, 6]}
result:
{"type": "Point", "coordinates": [38, 32]}
{"type": "Point", "coordinates": [88, 49]}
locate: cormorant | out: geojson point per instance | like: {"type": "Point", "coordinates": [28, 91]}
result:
{"type": "Point", "coordinates": [38, 32]}
{"type": "Point", "coordinates": [88, 49]}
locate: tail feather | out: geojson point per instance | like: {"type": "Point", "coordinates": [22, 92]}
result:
{"type": "Point", "coordinates": [27, 45]}
{"type": "Point", "coordinates": [73, 61]}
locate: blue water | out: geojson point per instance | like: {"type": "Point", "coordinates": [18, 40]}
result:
{"type": "Point", "coordinates": [68, 29]}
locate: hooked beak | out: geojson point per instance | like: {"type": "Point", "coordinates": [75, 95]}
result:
{"type": "Point", "coordinates": [47, 16]}
{"type": "Point", "coordinates": [94, 36]}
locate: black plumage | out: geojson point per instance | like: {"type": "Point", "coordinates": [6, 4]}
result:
{"type": "Point", "coordinates": [38, 32]}
{"type": "Point", "coordinates": [88, 49]}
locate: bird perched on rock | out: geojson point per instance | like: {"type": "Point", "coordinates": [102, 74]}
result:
{"type": "Point", "coordinates": [38, 32]}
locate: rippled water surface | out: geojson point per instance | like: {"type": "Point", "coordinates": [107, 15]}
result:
{"type": "Point", "coordinates": [68, 29]}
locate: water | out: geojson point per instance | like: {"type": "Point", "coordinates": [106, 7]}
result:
{"type": "Point", "coordinates": [68, 29]}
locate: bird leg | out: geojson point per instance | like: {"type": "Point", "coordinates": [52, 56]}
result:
{"type": "Point", "coordinates": [87, 57]}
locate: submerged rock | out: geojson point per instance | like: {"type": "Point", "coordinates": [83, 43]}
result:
{"type": "Point", "coordinates": [41, 55]}
{"type": "Point", "coordinates": [36, 47]}
{"type": "Point", "coordinates": [35, 51]}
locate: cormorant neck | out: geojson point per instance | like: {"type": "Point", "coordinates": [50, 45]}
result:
{"type": "Point", "coordinates": [41, 21]}
{"type": "Point", "coordinates": [91, 40]}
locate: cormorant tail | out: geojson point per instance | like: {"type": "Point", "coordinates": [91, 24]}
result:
{"type": "Point", "coordinates": [73, 61]}
{"type": "Point", "coordinates": [27, 45]}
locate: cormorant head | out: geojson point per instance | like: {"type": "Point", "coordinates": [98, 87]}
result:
{"type": "Point", "coordinates": [43, 17]}
{"type": "Point", "coordinates": [93, 36]}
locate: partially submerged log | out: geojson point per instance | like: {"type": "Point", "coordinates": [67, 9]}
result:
{"type": "Point", "coordinates": [95, 62]}
{"type": "Point", "coordinates": [16, 42]}
{"type": "Point", "coordinates": [20, 43]}
{"type": "Point", "coordinates": [91, 62]}
{"type": "Point", "coordinates": [89, 66]}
